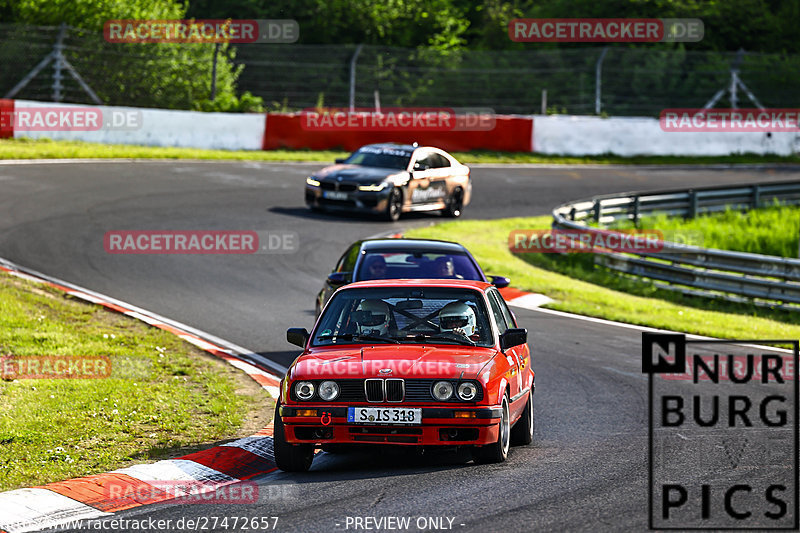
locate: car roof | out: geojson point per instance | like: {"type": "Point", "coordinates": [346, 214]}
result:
{"type": "Point", "coordinates": [400, 146]}
{"type": "Point", "coordinates": [451, 283]}
{"type": "Point", "coordinates": [422, 245]}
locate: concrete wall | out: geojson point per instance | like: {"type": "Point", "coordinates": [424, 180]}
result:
{"type": "Point", "coordinates": [627, 136]}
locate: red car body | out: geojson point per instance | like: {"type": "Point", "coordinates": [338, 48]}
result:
{"type": "Point", "coordinates": [504, 375]}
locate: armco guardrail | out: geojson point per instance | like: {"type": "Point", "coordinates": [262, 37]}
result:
{"type": "Point", "coordinates": [735, 276]}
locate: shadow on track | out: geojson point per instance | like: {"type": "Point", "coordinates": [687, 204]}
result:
{"type": "Point", "coordinates": [346, 216]}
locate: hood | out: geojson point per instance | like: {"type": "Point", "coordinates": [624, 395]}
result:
{"type": "Point", "coordinates": [404, 361]}
{"type": "Point", "coordinates": [363, 175]}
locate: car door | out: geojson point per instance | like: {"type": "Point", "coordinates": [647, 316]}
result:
{"type": "Point", "coordinates": [512, 354]}
{"type": "Point", "coordinates": [439, 174]}
{"type": "Point", "coordinates": [419, 188]}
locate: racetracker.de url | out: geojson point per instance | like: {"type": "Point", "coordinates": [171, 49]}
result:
{"type": "Point", "coordinates": [198, 523]}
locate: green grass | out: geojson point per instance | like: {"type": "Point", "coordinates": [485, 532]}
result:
{"type": "Point", "coordinates": [48, 149]}
{"type": "Point", "coordinates": [164, 396]}
{"type": "Point", "coordinates": [578, 286]}
{"type": "Point", "coordinates": [772, 230]}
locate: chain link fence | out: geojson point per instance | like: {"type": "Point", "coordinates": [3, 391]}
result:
{"type": "Point", "coordinates": [614, 80]}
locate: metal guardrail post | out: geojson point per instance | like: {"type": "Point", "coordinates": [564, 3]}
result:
{"type": "Point", "coordinates": [719, 274]}
{"type": "Point", "coordinates": [692, 204]}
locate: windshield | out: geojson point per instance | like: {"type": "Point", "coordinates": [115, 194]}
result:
{"type": "Point", "coordinates": [380, 157]}
{"type": "Point", "coordinates": [406, 265]}
{"type": "Point", "coordinates": [405, 315]}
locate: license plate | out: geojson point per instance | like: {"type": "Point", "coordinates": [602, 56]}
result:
{"type": "Point", "coordinates": [383, 415]}
{"type": "Point", "coordinates": [334, 195]}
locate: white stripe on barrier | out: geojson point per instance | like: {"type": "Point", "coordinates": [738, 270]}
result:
{"type": "Point", "coordinates": [261, 446]}
{"type": "Point", "coordinates": [530, 301]}
{"type": "Point", "coordinates": [175, 470]}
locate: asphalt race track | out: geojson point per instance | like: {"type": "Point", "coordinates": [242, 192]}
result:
{"type": "Point", "coordinates": [587, 468]}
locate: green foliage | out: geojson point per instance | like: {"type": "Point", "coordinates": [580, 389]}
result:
{"type": "Point", "coordinates": [228, 102]}
{"type": "Point", "coordinates": [91, 14]}
{"type": "Point", "coordinates": [773, 230]}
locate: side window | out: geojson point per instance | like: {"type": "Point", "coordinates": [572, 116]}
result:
{"type": "Point", "coordinates": [425, 158]}
{"type": "Point", "coordinates": [497, 311]}
{"type": "Point", "coordinates": [347, 263]}
{"type": "Point", "coordinates": [506, 311]}
{"type": "Point", "coordinates": [440, 161]}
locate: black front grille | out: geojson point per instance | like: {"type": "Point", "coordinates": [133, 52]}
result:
{"type": "Point", "coordinates": [395, 391]}
{"type": "Point", "coordinates": [348, 187]}
{"type": "Point", "coordinates": [374, 390]}
{"type": "Point", "coordinates": [327, 185]}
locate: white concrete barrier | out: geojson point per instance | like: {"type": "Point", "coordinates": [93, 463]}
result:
{"type": "Point", "coordinates": [629, 136]}
{"type": "Point", "coordinates": [158, 127]}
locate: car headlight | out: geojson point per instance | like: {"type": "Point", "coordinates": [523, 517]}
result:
{"type": "Point", "coordinates": [442, 390]}
{"type": "Point", "coordinates": [304, 390]}
{"type": "Point", "coordinates": [311, 181]}
{"type": "Point", "coordinates": [328, 390]}
{"type": "Point", "coordinates": [373, 188]}
{"type": "Point", "coordinates": [467, 391]}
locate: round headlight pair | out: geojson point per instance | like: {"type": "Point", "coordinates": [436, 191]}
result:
{"type": "Point", "coordinates": [443, 391]}
{"type": "Point", "coordinates": [328, 390]}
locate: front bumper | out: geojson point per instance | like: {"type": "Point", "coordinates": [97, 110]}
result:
{"type": "Point", "coordinates": [439, 427]}
{"type": "Point", "coordinates": [362, 201]}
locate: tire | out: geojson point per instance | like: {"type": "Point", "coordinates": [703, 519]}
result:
{"type": "Point", "coordinates": [522, 432]}
{"type": "Point", "coordinates": [290, 457]}
{"type": "Point", "coordinates": [496, 452]}
{"type": "Point", "coordinates": [455, 205]}
{"type": "Point", "coordinates": [394, 205]}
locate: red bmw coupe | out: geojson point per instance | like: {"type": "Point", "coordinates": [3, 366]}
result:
{"type": "Point", "coordinates": [408, 362]}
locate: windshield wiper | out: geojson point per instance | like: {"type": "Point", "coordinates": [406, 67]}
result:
{"type": "Point", "coordinates": [357, 337]}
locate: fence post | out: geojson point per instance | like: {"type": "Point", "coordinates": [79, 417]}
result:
{"type": "Point", "coordinates": [636, 211]}
{"type": "Point", "coordinates": [544, 101]}
{"type": "Point", "coordinates": [214, 72]}
{"type": "Point", "coordinates": [756, 196]}
{"type": "Point", "coordinates": [353, 62]}
{"type": "Point", "coordinates": [598, 74]}
{"type": "Point", "coordinates": [598, 210]}
{"type": "Point", "coordinates": [57, 64]}
{"type": "Point", "coordinates": [692, 204]}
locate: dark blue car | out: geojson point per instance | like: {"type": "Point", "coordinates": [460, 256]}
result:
{"type": "Point", "coordinates": [403, 259]}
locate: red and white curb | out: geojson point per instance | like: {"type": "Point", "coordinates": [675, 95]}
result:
{"type": "Point", "coordinates": [57, 504]}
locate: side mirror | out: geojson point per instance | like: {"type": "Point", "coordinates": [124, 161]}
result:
{"type": "Point", "coordinates": [338, 160]}
{"type": "Point", "coordinates": [297, 336]}
{"type": "Point", "coordinates": [337, 279]}
{"type": "Point", "coordinates": [500, 281]}
{"type": "Point", "coordinates": [513, 337]}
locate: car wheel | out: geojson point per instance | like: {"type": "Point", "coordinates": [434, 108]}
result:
{"type": "Point", "coordinates": [455, 204]}
{"type": "Point", "coordinates": [394, 205]}
{"type": "Point", "coordinates": [522, 432]}
{"type": "Point", "coordinates": [290, 457]}
{"type": "Point", "coordinates": [496, 452]}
